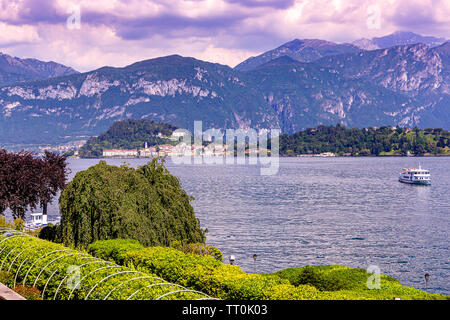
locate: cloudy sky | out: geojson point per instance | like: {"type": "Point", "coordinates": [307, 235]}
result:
{"type": "Point", "coordinates": [88, 34]}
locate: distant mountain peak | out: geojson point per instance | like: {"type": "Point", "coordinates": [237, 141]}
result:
{"type": "Point", "coordinates": [301, 84]}
{"type": "Point", "coordinates": [15, 70]}
{"type": "Point", "coordinates": [397, 38]}
{"type": "Point", "coordinates": [404, 33]}
{"type": "Point", "coordinates": [173, 59]}
{"type": "Point", "coordinates": [303, 50]}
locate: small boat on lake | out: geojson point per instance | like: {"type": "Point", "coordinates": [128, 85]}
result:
{"type": "Point", "coordinates": [415, 176]}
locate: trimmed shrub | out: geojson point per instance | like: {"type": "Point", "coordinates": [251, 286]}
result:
{"type": "Point", "coordinates": [345, 283]}
{"type": "Point", "coordinates": [191, 270]}
{"type": "Point", "coordinates": [61, 273]}
{"type": "Point", "coordinates": [111, 250]}
{"type": "Point", "coordinates": [311, 276]}
{"type": "Point", "coordinates": [197, 248]}
{"type": "Point", "coordinates": [50, 233]}
{"type": "Point", "coordinates": [206, 274]}
{"type": "Point", "coordinates": [287, 292]}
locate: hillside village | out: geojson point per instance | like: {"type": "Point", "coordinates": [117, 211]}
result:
{"type": "Point", "coordinates": [180, 150]}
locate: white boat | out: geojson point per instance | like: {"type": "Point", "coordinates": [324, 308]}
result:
{"type": "Point", "coordinates": [415, 176]}
{"type": "Point", "coordinates": [38, 220]}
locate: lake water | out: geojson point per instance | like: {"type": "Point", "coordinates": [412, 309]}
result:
{"type": "Point", "coordinates": [319, 211]}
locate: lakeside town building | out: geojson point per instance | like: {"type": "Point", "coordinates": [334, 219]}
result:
{"type": "Point", "coordinates": [180, 150]}
{"type": "Point", "coordinates": [120, 153]}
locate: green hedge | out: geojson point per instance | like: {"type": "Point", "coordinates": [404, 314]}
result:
{"type": "Point", "coordinates": [196, 271]}
{"type": "Point", "coordinates": [197, 248]}
{"type": "Point", "coordinates": [112, 250]}
{"type": "Point", "coordinates": [340, 282]}
{"type": "Point", "coordinates": [206, 274]}
{"type": "Point", "coordinates": [47, 266]}
{"type": "Point", "coordinates": [212, 276]}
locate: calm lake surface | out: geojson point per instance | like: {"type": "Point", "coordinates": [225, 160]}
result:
{"type": "Point", "coordinates": [319, 211]}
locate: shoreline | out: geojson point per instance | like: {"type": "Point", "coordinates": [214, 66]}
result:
{"type": "Point", "coordinates": [295, 156]}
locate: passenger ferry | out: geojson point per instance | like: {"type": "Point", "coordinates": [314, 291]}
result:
{"type": "Point", "coordinates": [415, 176]}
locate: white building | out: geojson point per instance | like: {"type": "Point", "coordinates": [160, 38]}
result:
{"type": "Point", "coordinates": [165, 150]}
{"type": "Point", "coordinates": [120, 153]}
{"type": "Point", "coordinates": [148, 152]}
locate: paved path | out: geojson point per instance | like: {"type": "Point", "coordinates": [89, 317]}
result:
{"type": "Point", "coordinates": [8, 294]}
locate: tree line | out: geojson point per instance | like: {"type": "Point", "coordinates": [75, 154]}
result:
{"type": "Point", "coordinates": [367, 141]}
{"type": "Point", "coordinates": [27, 180]}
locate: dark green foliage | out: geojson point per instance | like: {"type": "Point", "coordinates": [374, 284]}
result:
{"type": "Point", "coordinates": [128, 134]}
{"type": "Point", "coordinates": [51, 233]}
{"type": "Point", "coordinates": [339, 282]}
{"type": "Point", "coordinates": [363, 142]}
{"type": "Point", "coordinates": [108, 202]}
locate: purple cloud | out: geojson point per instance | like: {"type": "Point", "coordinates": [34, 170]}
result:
{"type": "Point", "coordinates": [275, 4]}
{"type": "Point", "coordinates": [226, 31]}
{"type": "Point", "coordinates": [33, 12]}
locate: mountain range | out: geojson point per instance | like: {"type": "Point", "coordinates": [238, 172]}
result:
{"type": "Point", "coordinates": [308, 50]}
{"type": "Point", "coordinates": [397, 39]}
{"type": "Point", "coordinates": [14, 70]}
{"type": "Point", "coordinates": [301, 84]}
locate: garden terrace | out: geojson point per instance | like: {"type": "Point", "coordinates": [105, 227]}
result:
{"type": "Point", "coordinates": [60, 273]}
{"type": "Point", "coordinates": [207, 274]}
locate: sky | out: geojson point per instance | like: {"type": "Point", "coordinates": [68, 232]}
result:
{"type": "Point", "coordinates": [89, 34]}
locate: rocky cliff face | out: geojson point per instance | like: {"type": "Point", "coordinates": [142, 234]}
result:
{"type": "Point", "coordinates": [306, 95]}
{"type": "Point", "coordinates": [409, 69]}
{"type": "Point", "coordinates": [415, 71]}
{"type": "Point", "coordinates": [404, 85]}
{"type": "Point", "coordinates": [170, 89]}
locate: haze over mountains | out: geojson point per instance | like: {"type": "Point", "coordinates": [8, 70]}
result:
{"type": "Point", "coordinates": [397, 39]}
{"type": "Point", "coordinates": [301, 84]}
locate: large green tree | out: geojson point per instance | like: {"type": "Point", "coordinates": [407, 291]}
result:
{"type": "Point", "coordinates": [147, 204]}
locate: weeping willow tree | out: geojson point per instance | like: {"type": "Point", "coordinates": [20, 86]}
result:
{"type": "Point", "coordinates": [147, 204]}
